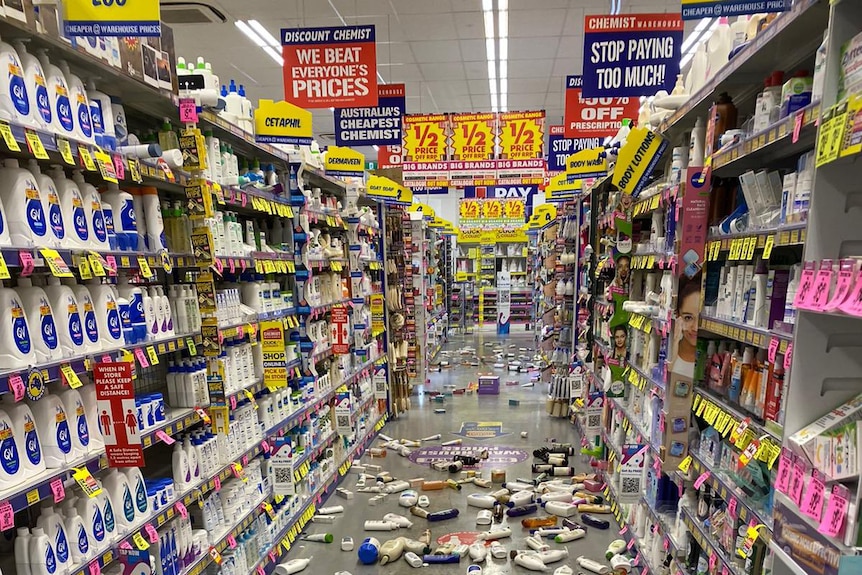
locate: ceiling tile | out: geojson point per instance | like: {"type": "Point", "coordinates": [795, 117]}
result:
{"type": "Point", "coordinates": [473, 50]}
{"type": "Point", "coordinates": [532, 48]}
{"type": "Point", "coordinates": [530, 68]}
{"type": "Point", "coordinates": [478, 70]}
{"type": "Point", "coordinates": [448, 88]}
{"type": "Point", "coordinates": [527, 85]}
{"type": "Point", "coordinates": [470, 25]}
{"type": "Point", "coordinates": [443, 72]}
{"type": "Point", "coordinates": [421, 6]}
{"type": "Point", "coordinates": [531, 4]}
{"type": "Point", "coordinates": [575, 20]}
{"type": "Point", "coordinates": [527, 101]}
{"type": "Point", "coordinates": [567, 66]}
{"type": "Point", "coordinates": [571, 47]}
{"type": "Point", "coordinates": [404, 73]}
{"type": "Point", "coordinates": [439, 51]}
{"type": "Point", "coordinates": [537, 24]}
{"type": "Point", "coordinates": [481, 103]}
{"type": "Point", "coordinates": [478, 86]}
{"type": "Point", "coordinates": [429, 27]}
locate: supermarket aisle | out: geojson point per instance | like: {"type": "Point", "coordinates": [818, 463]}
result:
{"type": "Point", "coordinates": [504, 424]}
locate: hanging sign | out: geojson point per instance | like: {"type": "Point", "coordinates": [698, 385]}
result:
{"type": "Point", "coordinates": [560, 188]}
{"type": "Point", "coordinates": [282, 123]}
{"type": "Point", "coordinates": [561, 146]}
{"type": "Point", "coordinates": [385, 189]}
{"type": "Point", "coordinates": [117, 415]}
{"type": "Point", "coordinates": [424, 151]}
{"type": "Point", "coordinates": [344, 162]}
{"type": "Point", "coordinates": [272, 347]}
{"type": "Point", "coordinates": [543, 214]}
{"type": "Point", "coordinates": [587, 164]}
{"type": "Point", "coordinates": [378, 125]}
{"type": "Point", "coordinates": [389, 157]}
{"type": "Point", "coordinates": [631, 55]}
{"type": "Point", "coordinates": [522, 192]}
{"type": "Point", "coordinates": [111, 18]}
{"type": "Point", "coordinates": [700, 9]}
{"type": "Point", "coordinates": [473, 136]}
{"type": "Point", "coordinates": [522, 135]}
{"type": "Point", "coordinates": [340, 330]}
{"type": "Point", "coordinates": [638, 158]}
{"type": "Point", "coordinates": [594, 118]}
{"type": "Point", "coordinates": [326, 67]}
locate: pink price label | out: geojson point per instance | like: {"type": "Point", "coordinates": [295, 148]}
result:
{"type": "Point", "coordinates": [167, 439]}
{"type": "Point", "coordinates": [152, 534]}
{"type": "Point", "coordinates": [217, 483]}
{"type": "Point", "coordinates": [836, 511]}
{"type": "Point", "coordinates": [142, 359]}
{"type": "Point", "coordinates": [58, 490]}
{"type": "Point", "coordinates": [95, 568]}
{"type": "Point", "coordinates": [666, 543]}
{"type": "Point", "coordinates": [188, 111]}
{"type": "Point", "coordinates": [702, 479]}
{"type": "Point", "coordinates": [231, 541]}
{"type": "Point", "coordinates": [219, 266]}
{"type": "Point", "coordinates": [27, 265]}
{"type": "Point", "coordinates": [637, 560]}
{"type": "Point", "coordinates": [731, 507]}
{"type": "Point", "coordinates": [181, 509]}
{"type": "Point", "coordinates": [107, 358]}
{"type": "Point", "coordinates": [233, 402]}
{"type": "Point", "coordinates": [797, 483]}
{"type": "Point", "coordinates": [713, 559]}
{"type": "Point", "coordinates": [782, 477]}
{"type": "Point", "coordinates": [812, 501]}
{"type": "Point", "coordinates": [112, 265]}
{"type": "Point", "coordinates": [772, 350]}
{"type": "Point", "coordinates": [260, 570]}
{"type": "Point", "coordinates": [16, 384]}
{"type": "Point", "coordinates": [805, 290]}
{"type": "Point", "coordinates": [7, 516]}
{"type": "Point", "coordinates": [271, 556]}
{"type": "Point", "coordinates": [725, 570]}
{"type": "Point", "coordinates": [788, 356]}
{"type": "Point", "coordinates": [624, 530]}
{"type": "Point", "coordinates": [232, 265]}
{"type": "Point", "coordinates": [631, 544]}
{"type": "Point", "coordinates": [125, 545]}
{"type": "Point", "coordinates": [119, 167]}
{"type": "Point", "coordinates": [265, 446]}
{"type": "Point", "coordinates": [797, 126]}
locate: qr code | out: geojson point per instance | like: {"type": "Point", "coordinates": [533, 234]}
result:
{"type": "Point", "coordinates": [594, 420]}
{"type": "Point", "coordinates": [343, 421]}
{"type": "Point", "coordinates": [283, 474]}
{"type": "Point", "coordinates": [631, 485]}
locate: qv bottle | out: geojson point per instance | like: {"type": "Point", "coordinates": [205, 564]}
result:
{"type": "Point", "coordinates": [37, 89]}
{"type": "Point", "coordinates": [55, 528]}
{"type": "Point", "coordinates": [22, 204]}
{"type": "Point", "coordinates": [88, 396]}
{"type": "Point", "coordinates": [11, 470]}
{"type": "Point", "coordinates": [78, 421]}
{"type": "Point", "coordinates": [50, 205]}
{"type": "Point", "coordinates": [137, 316]}
{"type": "Point", "coordinates": [22, 551]}
{"type": "Point", "coordinates": [106, 502]}
{"type": "Point", "coordinates": [24, 427]}
{"type": "Point", "coordinates": [80, 104]}
{"type": "Point", "coordinates": [53, 421]}
{"type": "Point", "coordinates": [107, 313]}
{"type": "Point", "coordinates": [102, 114]}
{"type": "Point", "coordinates": [117, 485]}
{"type": "Point", "coordinates": [87, 309]}
{"type": "Point", "coordinates": [121, 127]}
{"type": "Point", "coordinates": [16, 346]}
{"type": "Point", "coordinates": [70, 326]}
{"type": "Point", "coordinates": [72, 209]}
{"type": "Point", "coordinates": [14, 100]}
{"type": "Point", "coordinates": [42, 558]}
{"type": "Point", "coordinates": [139, 490]}
{"type": "Point", "coordinates": [76, 531]}
{"type": "Point", "coordinates": [58, 92]}
{"type": "Point", "coordinates": [93, 211]}
{"type": "Point", "coordinates": [40, 320]}
{"type": "Point", "coordinates": [91, 513]}
{"type": "Point", "coordinates": [125, 222]}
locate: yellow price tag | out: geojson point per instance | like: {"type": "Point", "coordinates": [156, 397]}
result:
{"type": "Point", "coordinates": [4, 269]}
{"type": "Point", "coordinates": [145, 267]}
{"type": "Point", "coordinates": [154, 357]}
{"type": "Point", "coordinates": [34, 142]}
{"type": "Point", "coordinates": [84, 269]}
{"type": "Point", "coordinates": [71, 377]}
{"type": "Point", "coordinates": [56, 263]}
{"type": "Point", "coordinates": [190, 344]}
{"type": "Point", "coordinates": [87, 482]}
{"type": "Point", "coordinates": [86, 158]}
{"type": "Point", "coordinates": [8, 137]}
{"type": "Point", "coordinates": [767, 247]}
{"type": "Point", "coordinates": [96, 263]}
{"type": "Point", "coordinates": [135, 170]}
{"type": "Point", "coordinates": [140, 542]}
{"type": "Point", "coordinates": [66, 151]}
{"type": "Point", "coordinates": [250, 397]}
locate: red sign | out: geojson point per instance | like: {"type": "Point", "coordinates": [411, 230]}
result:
{"type": "Point", "coordinates": [340, 330]}
{"type": "Point", "coordinates": [595, 117]}
{"type": "Point", "coordinates": [117, 415]}
{"type": "Point", "coordinates": [389, 157]}
{"type": "Point", "coordinates": [330, 67]}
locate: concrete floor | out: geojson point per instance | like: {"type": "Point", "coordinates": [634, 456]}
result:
{"type": "Point", "coordinates": [421, 421]}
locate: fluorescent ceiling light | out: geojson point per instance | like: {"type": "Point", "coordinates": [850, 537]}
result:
{"type": "Point", "coordinates": [494, 100]}
{"type": "Point", "coordinates": [504, 23]}
{"type": "Point", "coordinates": [695, 34]}
{"type": "Point", "coordinates": [504, 86]}
{"type": "Point", "coordinates": [502, 5]}
{"type": "Point", "coordinates": [487, 5]}
{"type": "Point", "coordinates": [686, 59]}
{"type": "Point", "coordinates": [489, 25]}
{"type": "Point", "coordinates": [504, 48]}
{"type": "Point", "coordinates": [274, 54]}
{"type": "Point", "coordinates": [504, 102]}
{"type": "Point", "coordinates": [489, 48]}
{"type": "Point", "coordinates": [264, 33]}
{"type": "Point", "coordinates": [252, 35]}
{"type": "Point", "coordinates": [504, 69]}
{"type": "Point", "coordinates": [492, 70]}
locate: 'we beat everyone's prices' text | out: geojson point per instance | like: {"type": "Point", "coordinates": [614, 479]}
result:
{"type": "Point", "coordinates": [330, 67]}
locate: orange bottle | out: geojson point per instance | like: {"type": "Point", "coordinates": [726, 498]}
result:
{"type": "Point", "coordinates": [433, 485]}
{"type": "Point", "coordinates": [536, 522]}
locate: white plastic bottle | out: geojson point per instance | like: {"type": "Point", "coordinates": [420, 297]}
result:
{"type": "Point", "coordinates": [72, 208]}
{"type": "Point", "coordinates": [27, 433]}
{"type": "Point", "coordinates": [22, 204]}
{"type": "Point", "coordinates": [37, 89]}
{"type": "Point", "coordinates": [182, 470]}
{"type": "Point", "coordinates": [150, 316]}
{"type": "Point", "coordinates": [67, 315]}
{"type": "Point", "coordinates": [14, 100]}
{"type": "Point", "coordinates": [80, 104]}
{"type": "Point", "coordinates": [88, 396]}
{"type": "Point", "coordinates": [125, 223]}
{"type": "Point", "coordinates": [93, 210]}
{"type": "Point", "coordinates": [58, 92]}
{"type": "Point", "coordinates": [42, 558]}
{"type": "Point", "coordinates": [22, 551]}
{"type": "Point", "coordinates": [40, 320]}
{"type": "Point", "coordinates": [139, 490]}
{"type": "Point", "coordinates": [55, 528]}
{"type": "Point", "coordinates": [107, 313]}
{"type": "Point", "coordinates": [53, 422]}
{"type": "Point", "coordinates": [109, 516]}
{"type": "Point", "coordinates": [192, 456]}
{"type": "Point", "coordinates": [153, 216]}
{"type": "Point", "coordinates": [79, 424]}
{"type": "Point", "coordinates": [11, 468]}
{"type": "Point", "coordinates": [16, 344]}
{"type": "Point", "coordinates": [50, 205]}
{"type": "Point", "coordinates": [89, 510]}
{"type": "Point", "coordinates": [102, 115]}
{"type": "Point", "coordinates": [76, 531]}
{"type": "Point", "coordinates": [117, 484]}
{"type": "Point", "coordinates": [87, 309]}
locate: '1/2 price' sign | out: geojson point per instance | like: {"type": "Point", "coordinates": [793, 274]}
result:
{"type": "Point", "coordinates": [425, 138]}
{"type": "Point", "coordinates": [522, 135]}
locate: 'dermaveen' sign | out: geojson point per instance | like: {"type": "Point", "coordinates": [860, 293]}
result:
{"type": "Point", "coordinates": [631, 55]}
{"type": "Point", "coordinates": [330, 67]}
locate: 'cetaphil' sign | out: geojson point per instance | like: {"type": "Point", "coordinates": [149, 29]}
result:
{"type": "Point", "coordinates": [282, 123]}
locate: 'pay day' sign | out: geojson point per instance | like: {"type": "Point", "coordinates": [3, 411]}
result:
{"type": "Point", "coordinates": [632, 55]}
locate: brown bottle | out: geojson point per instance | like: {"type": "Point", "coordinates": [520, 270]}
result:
{"type": "Point", "coordinates": [725, 117]}
{"type": "Point", "coordinates": [536, 522]}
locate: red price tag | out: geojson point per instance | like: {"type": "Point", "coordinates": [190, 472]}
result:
{"type": "Point", "coordinates": [181, 509]}
{"type": "Point", "coordinates": [788, 356]}
{"type": "Point", "coordinates": [27, 265]}
{"type": "Point", "coordinates": [188, 111]}
{"type": "Point", "coordinates": [58, 490]}
{"type": "Point", "coordinates": [152, 534]}
{"type": "Point", "coordinates": [624, 530]}
{"type": "Point", "coordinates": [16, 384]}
{"type": "Point", "coordinates": [702, 479]}
{"type": "Point", "coordinates": [7, 516]}
{"type": "Point", "coordinates": [731, 508]}
{"type": "Point", "coordinates": [119, 167]}
{"type": "Point", "coordinates": [165, 437]}
{"type": "Point", "coordinates": [95, 568]}
{"type": "Point", "coordinates": [773, 349]}
{"type": "Point", "coordinates": [217, 483]}
{"type": "Point", "coordinates": [797, 126]}
{"type": "Point", "coordinates": [782, 478]}
{"type": "Point", "coordinates": [231, 541]}
{"type": "Point", "coordinates": [142, 358]}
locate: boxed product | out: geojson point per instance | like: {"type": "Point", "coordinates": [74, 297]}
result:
{"type": "Point", "coordinates": [850, 80]}
{"type": "Point", "coordinates": [831, 444]}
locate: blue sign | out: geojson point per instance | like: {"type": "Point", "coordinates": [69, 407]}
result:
{"type": "Point", "coordinates": [481, 429]}
{"type": "Point", "coordinates": [501, 192]}
{"type": "Point", "coordinates": [561, 147]}
{"type": "Point", "coordinates": [699, 9]}
{"type": "Point", "coordinates": [631, 55]}
{"type": "Point", "coordinates": [376, 126]}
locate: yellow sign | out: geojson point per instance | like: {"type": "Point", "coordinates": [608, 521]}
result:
{"type": "Point", "coordinates": [522, 135]}
{"type": "Point", "coordinates": [381, 188]}
{"type": "Point", "coordinates": [272, 346]}
{"type": "Point", "coordinates": [514, 209]}
{"type": "Point", "coordinates": [424, 138]}
{"type": "Point", "coordinates": [111, 18]}
{"type": "Point", "coordinates": [514, 236]}
{"type": "Point", "coordinates": [469, 236]}
{"type": "Point", "coordinates": [543, 214]}
{"type": "Point", "coordinates": [590, 163]}
{"type": "Point", "coordinates": [281, 123]}
{"type": "Point", "coordinates": [377, 315]}
{"type": "Point", "coordinates": [637, 159]}
{"type": "Point", "coordinates": [560, 188]}
{"type": "Point", "coordinates": [470, 209]}
{"type": "Point", "coordinates": [492, 209]}
{"type": "Point", "coordinates": [473, 137]}
{"type": "Point", "coordinates": [342, 161]}
{"type": "Point", "coordinates": [426, 210]}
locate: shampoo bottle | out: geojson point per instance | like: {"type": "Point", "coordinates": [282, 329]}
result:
{"type": "Point", "coordinates": [50, 205]}
{"type": "Point", "coordinates": [40, 319]}
{"type": "Point", "coordinates": [22, 204]}
{"type": "Point", "coordinates": [16, 345]}
{"type": "Point", "coordinates": [68, 317]}
{"type": "Point", "coordinates": [72, 209]}
{"type": "Point", "coordinates": [42, 558]}
{"type": "Point", "coordinates": [37, 89]}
